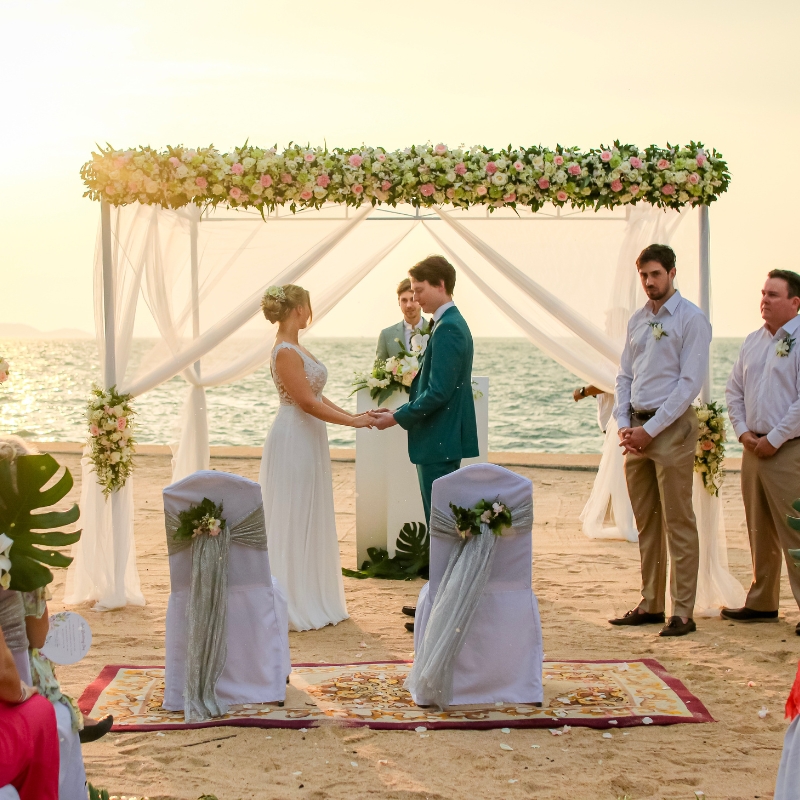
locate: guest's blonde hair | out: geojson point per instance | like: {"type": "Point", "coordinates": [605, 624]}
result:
{"type": "Point", "coordinates": [279, 301]}
{"type": "Point", "coordinates": [11, 448]}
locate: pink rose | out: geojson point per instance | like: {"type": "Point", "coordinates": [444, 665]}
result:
{"type": "Point", "coordinates": [109, 189]}
{"type": "Point", "coordinates": [310, 157]}
{"type": "Point", "coordinates": [701, 159]}
{"type": "Point", "coordinates": [237, 168]}
{"type": "Point", "coordinates": [235, 192]}
{"type": "Point", "coordinates": [427, 189]}
{"type": "Point", "coordinates": [634, 188]}
{"type": "Point", "coordinates": [606, 155]}
{"type": "Point", "coordinates": [133, 186]}
{"type": "Point", "coordinates": [616, 186]}
{"type": "Point", "coordinates": [266, 180]}
{"type": "Point", "coordinates": [636, 163]}
{"type": "Point", "coordinates": [543, 183]}
{"type": "Point", "coordinates": [355, 160]}
{"type": "Point", "coordinates": [306, 194]}
{"type": "Point", "coordinates": [562, 196]}
{"type": "Point", "coordinates": [381, 157]}
{"type": "Point", "coordinates": [558, 160]}
{"type": "Point", "coordinates": [122, 423]}
{"type": "Point", "coordinates": [519, 166]}
{"type": "Point", "coordinates": [574, 169]}
{"type": "Point", "coordinates": [693, 178]}
{"type": "Point", "coordinates": [662, 163]}
{"type": "Point", "coordinates": [176, 162]}
{"type": "Point", "coordinates": [94, 430]}
{"type": "Point", "coordinates": [121, 161]}
{"type": "Point", "coordinates": [286, 177]}
{"type": "Point", "coordinates": [510, 197]}
{"type": "Point", "coordinates": [386, 185]}
{"type": "Point", "coordinates": [323, 181]}
{"type": "Point", "coordinates": [481, 191]}
{"type": "Point", "coordinates": [451, 193]}
{"type": "Point", "coordinates": [440, 149]}
{"type": "Point", "coordinates": [460, 169]}
{"type": "Point", "coordinates": [201, 182]}
{"type": "Point", "coordinates": [491, 168]}
{"type": "Point", "coordinates": [707, 445]}
{"type": "Point", "coordinates": [669, 189]}
{"type": "Point", "coordinates": [356, 188]}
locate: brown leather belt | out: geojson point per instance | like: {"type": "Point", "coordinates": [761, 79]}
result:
{"type": "Point", "coordinates": [643, 416]}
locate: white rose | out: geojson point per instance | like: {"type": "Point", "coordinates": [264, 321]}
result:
{"type": "Point", "coordinates": [256, 188]}
{"type": "Point", "coordinates": [537, 162]}
{"type": "Point", "coordinates": [248, 162]}
{"type": "Point", "coordinates": [451, 176]}
{"type": "Point", "coordinates": [115, 457]}
{"type": "Point", "coordinates": [181, 172]}
{"type": "Point", "coordinates": [118, 411]}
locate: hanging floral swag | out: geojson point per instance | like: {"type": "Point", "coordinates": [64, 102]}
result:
{"type": "Point", "coordinates": [710, 451]}
{"type": "Point", "coordinates": [422, 175]}
{"type": "Point", "coordinates": [110, 417]}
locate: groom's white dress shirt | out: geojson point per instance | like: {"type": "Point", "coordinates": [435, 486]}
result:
{"type": "Point", "coordinates": [437, 315]}
{"type": "Point", "coordinates": [763, 391]}
{"type": "Point", "coordinates": [666, 373]}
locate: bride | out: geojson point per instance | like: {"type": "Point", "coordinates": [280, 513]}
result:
{"type": "Point", "coordinates": [295, 474]}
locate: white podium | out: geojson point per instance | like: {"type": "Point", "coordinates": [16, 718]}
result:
{"type": "Point", "coordinates": [387, 489]}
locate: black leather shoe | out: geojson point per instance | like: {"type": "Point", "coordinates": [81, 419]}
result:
{"type": "Point", "coordinates": [410, 611]}
{"type": "Point", "coordinates": [635, 618]}
{"type": "Point", "coordinates": [677, 627]}
{"type": "Point", "coordinates": [797, 629]}
{"type": "Point", "coordinates": [410, 627]}
{"type": "Point", "coordinates": [746, 614]}
{"type": "Point", "coordinates": [91, 733]}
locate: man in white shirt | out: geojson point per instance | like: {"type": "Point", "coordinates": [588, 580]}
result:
{"type": "Point", "coordinates": [662, 369]}
{"type": "Point", "coordinates": [763, 395]}
{"type": "Point", "coordinates": [412, 321]}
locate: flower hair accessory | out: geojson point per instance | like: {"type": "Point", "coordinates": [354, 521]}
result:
{"type": "Point", "coordinates": [277, 293]}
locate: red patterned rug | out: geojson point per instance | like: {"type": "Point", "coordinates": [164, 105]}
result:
{"type": "Point", "coordinates": [595, 694]}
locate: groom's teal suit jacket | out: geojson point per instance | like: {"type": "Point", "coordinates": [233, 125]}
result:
{"type": "Point", "coordinates": [440, 414]}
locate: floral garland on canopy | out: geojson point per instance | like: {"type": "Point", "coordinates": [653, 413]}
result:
{"type": "Point", "coordinates": [422, 175]}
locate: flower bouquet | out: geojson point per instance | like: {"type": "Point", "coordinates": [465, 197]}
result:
{"type": "Point", "coordinates": [492, 513]}
{"type": "Point", "coordinates": [710, 446]}
{"type": "Point", "coordinates": [396, 372]}
{"type": "Point", "coordinates": [4, 370]}
{"type": "Point", "coordinates": [204, 519]}
{"type": "Point", "coordinates": [111, 443]}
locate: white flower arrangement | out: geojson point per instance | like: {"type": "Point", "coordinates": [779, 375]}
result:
{"type": "Point", "coordinates": [658, 330]}
{"type": "Point", "coordinates": [5, 560]}
{"type": "Point", "coordinates": [422, 175]}
{"type": "Point", "coordinates": [710, 450]}
{"type": "Point", "coordinates": [5, 370]}
{"type": "Point", "coordinates": [111, 442]}
{"type": "Point", "coordinates": [784, 346]}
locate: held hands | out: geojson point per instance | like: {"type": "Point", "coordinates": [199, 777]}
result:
{"type": "Point", "coordinates": [363, 420]}
{"type": "Point", "coordinates": [382, 418]}
{"type": "Point", "coordinates": [634, 440]}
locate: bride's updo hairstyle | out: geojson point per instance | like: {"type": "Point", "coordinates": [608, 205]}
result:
{"type": "Point", "coordinates": [279, 301]}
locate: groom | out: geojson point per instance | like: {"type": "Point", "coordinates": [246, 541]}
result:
{"type": "Point", "coordinates": [440, 413]}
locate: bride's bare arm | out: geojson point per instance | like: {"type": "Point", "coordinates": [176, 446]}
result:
{"type": "Point", "coordinates": [292, 374]}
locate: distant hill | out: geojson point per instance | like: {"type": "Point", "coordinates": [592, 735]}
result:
{"type": "Point", "coordinates": [18, 331]}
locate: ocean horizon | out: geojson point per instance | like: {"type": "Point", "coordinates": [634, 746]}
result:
{"type": "Point", "coordinates": [530, 396]}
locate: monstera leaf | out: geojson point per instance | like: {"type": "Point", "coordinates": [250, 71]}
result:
{"type": "Point", "coordinates": [32, 551]}
{"type": "Point", "coordinates": [410, 560]}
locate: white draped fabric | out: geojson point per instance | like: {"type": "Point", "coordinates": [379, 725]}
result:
{"type": "Point", "coordinates": [565, 278]}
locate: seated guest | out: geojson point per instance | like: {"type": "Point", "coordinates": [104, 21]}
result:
{"type": "Point", "coordinates": [412, 321]}
{"type": "Point", "coordinates": [28, 736]}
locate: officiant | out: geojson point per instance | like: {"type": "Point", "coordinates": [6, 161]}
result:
{"type": "Point", "coordinates": [412, 321]}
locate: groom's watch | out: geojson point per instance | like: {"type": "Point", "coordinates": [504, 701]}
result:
{"type": "Point", "coordinates": [582, 391]}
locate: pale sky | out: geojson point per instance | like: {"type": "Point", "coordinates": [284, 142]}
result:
{"type": "Point", "coordinates": [575, 72]}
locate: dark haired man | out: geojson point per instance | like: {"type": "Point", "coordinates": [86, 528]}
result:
{"type": "Point", "coordinates": [661, 372]}
{"type": "Point", "coordinates": [440, 413]}
{"type": "Point", "coordinates": [390, 339]}
{"type": "Point", "coordinates": [763, 395]}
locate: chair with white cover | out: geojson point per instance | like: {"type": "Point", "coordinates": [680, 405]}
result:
{"type": "Point", "coordinates": [227, 632]}
{"type": "Point", "coordinates": [477, 618]}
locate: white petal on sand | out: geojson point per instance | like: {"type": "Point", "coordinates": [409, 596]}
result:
{"type": "Point", "coordinates": [513, 780]}
{"type": "Point", "coordinates": [647, 721]}
{"type": "Point", "coordinates": [556, 732]}
{"type": "Point", "coordinates": [607, 736]}
{"type": "Point", "coordinates": [763, 713]}
{"type": "Point", "coordinates": [354, 763]}
{"type": "Point", "coordinates": [535, 746]}
{"type": "Point", "coordinates": [505, 746]}
{"type": "Point", "coordinates": [421, 729]}
{"type": "Point", "coordinates": [505, 730]}
{"type": "Point", "coordinates": [612, 722]}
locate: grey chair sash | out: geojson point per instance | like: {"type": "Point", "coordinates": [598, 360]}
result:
{"type": "Point", "coordinates": [12, 620]}
{"type": "Point", "coordinates": [460, 590]}
{"type": "Point", "coordinates": [207, 648]}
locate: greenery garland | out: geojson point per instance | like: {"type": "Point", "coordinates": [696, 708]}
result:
{"type": "Point", "coordinates": [422, 175]}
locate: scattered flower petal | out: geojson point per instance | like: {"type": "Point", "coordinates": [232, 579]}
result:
{"type": "Point", "coordinates": [535, 746]}
{"type": "Point", "coordinates": [763, 713]}
{"type": "Point", "coordinates": [505, 730]}
{"type": "Point", "coordinates": [647, 721]}
{"type": "Point", "coordinates": [622, 667]}
{"type": "Point", "coordinates": [513, 780]}
{"type": "Point", "coordinates": [303, 730]}
{"type": "Point", "coordinates": [421, 729]}
{"type": "Point", "coordinates": [383, 761]}
{"type": "Point", "coordinates": [297, 773]}
{"type": "Point", "coordinates": [354, 763]}
{"type": "Point", "coordinates": [612, 722]}
{"type": "Point", "coordinates": [751, 683]}
{"type": "Point", "coordinates": [607, 735]}
{"type": "Point", "coordinates": [556, 732]}
{"type": "Point", "coordinates": [505, 746]}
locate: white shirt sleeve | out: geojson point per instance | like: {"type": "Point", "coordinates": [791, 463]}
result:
{"type": "Point", "coordinates": [734, 396]}
{"type": "Point", "coordinates": [694, 367]}
{"type": "Point", "coordinates": [622, 389]}
{"type": "Point", "coordinates": [789, 426]}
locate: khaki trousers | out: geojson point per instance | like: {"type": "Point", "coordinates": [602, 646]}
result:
{"type": "Point", "coordinates": [769, 487]}
{"type": "Point", "coordinates": [660, 487]}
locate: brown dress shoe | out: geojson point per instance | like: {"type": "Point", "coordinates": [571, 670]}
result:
{"type": "Point", "coordinates": [746, 614]}
{"type": "Point", "coordinates": [410, 627]}
{"type": "Point", "coordinates": [635, 618]}
{"type": "Point", "coordinates": [410, 611]}
{"type": "Point", "coordinates": [677, 627]}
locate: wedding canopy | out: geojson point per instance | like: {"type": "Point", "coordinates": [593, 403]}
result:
{"type": "Point", "coordinates": [199, 236]}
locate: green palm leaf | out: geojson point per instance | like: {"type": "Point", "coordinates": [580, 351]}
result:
{"type": "Point", "coordinates": [411, 559]}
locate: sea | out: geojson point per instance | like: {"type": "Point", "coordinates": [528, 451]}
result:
{"type": "Point", "coordinates": [530, 396]}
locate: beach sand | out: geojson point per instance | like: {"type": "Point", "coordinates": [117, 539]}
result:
{"type": "Point", "coordinates": [579, 583]}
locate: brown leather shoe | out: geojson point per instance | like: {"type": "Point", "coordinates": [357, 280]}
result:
{"type": "Point", "coordinates": [746, 614]}
{"type": "Point", "coordinates": [410, 627]}
{"type": "Point", "coordinates": [633, 617]}
{"type": "Point", "coordinates": [677, 627]}
{"type": "Point", "coordinates": [410, 611]}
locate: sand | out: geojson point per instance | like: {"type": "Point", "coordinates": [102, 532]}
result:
{"type": "Point", "coordinates": [579, 583]}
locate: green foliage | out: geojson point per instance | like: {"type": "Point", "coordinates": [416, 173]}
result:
{"type": "Point", "coordinates": [97, 794]}
{"type": "Point", "coordinates": [28, 559]}
{"type": "Point", "coordinates": [205, 517]}
{"type": "Point", "coordinates": [794, 522]}
{"type": "Point", "coordinates": [469, 520]}
{"type": "Point", "coordinates": [411, 559]}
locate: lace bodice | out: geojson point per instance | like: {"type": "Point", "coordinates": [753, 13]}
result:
{"type": "Point", "coordinates": [316, 373]}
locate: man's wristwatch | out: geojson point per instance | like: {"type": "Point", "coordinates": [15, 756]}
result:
{"type": "Point", "coordinates": [582, 391]}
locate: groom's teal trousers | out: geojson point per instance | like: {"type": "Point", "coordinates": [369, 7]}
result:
{"type": "Point", "coordinates": [427, 474]}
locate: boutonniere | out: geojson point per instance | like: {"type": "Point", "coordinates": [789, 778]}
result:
{"type": "Point", "coordinates": [784, 346]}
{"type": "Point", "coordinates": [658, 330]}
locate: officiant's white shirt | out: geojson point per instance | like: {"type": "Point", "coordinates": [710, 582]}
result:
{"type": "Point", "coordinates": [409, 329]}
{"type": "Point", "coordinates": [763, 391]}
{"type": "Point", "coordinates": [667, 373]}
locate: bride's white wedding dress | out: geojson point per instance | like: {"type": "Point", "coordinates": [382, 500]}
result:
{"type": "Point", "coordinates": [297, 488]}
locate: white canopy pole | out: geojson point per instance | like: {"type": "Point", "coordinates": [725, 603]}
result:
{"type": "Point", "coordinates": [193, 224]}
{"type": "Point", "coordinates": [109, 322]}
{"type": "Point", "coordinates": [705, 289]}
